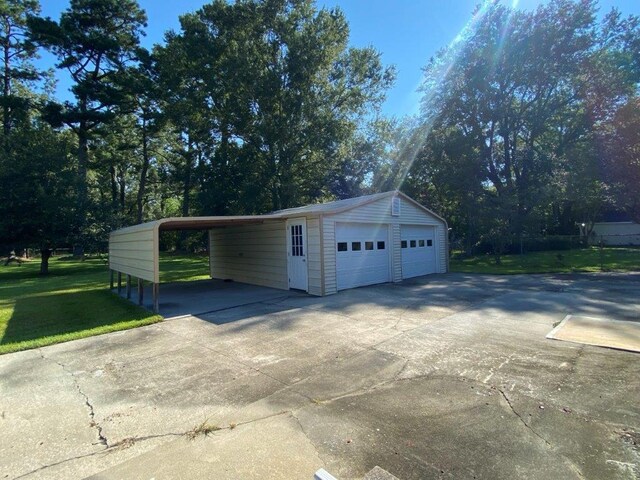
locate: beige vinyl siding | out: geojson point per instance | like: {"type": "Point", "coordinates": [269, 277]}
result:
{"type": "Point", "coordinates": [329, 245]}
{"type": "Point", "coordinates": [133, 251]}
{"type": "Point", "coordinates": [314, 257]}
{"type": "Point", "coordinates": [253, 254]}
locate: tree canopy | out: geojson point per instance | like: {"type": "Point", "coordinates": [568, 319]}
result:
{"type": "Point", "coordinates": [513, 117]}
{"type": "Point", "coordinates": [528, 125]}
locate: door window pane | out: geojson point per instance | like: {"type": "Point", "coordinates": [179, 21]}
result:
{"type": "Point", "coordinates": [403, 244]}
{"type": "Point", "coordinates": [368, 245]}
{"type": "Point", "coordinates": [342, 246]}
{"type": "Point", "coordinates": [421, 243]}
{"type": "Point", "coordinates": [381, 246]}
{"type": "Point", "coordinates": [356, 246]}
{"type": "Point", "coordinates": [429, 243]}
{"type": "Point", "coordinates": [413, 244]}
{"type": "Point", "coordinates": [296, 241]}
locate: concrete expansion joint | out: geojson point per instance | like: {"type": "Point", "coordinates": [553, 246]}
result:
{"type": "Point", "coordinates": [102, 439]}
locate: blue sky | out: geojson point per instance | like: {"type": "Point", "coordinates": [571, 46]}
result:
{"type": "Point", "coordinates": [407, 32]}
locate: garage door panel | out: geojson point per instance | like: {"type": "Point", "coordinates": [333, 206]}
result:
{"type": "Point", "coordinates": [362, 255]}
{"type": "Point", "coordinates": [418, 250]}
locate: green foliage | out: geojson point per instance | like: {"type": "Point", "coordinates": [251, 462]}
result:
{"type": "Point", "coordinates": [17, 52]}
{"type": "Point", "coordinates": [36, 189]}
{"type": "Point", "coordinates": [511, 118]}
{"type": "Point", "coordinates": [73, 302]}
{"type": "Point", "coordinates": [622, 160]}
{"type": "Point", "coordinates": [264, 95]}
{"type": "Point", "coordinates": [527, 123]}
{"type": "Point", "coordinates": [96, 41]}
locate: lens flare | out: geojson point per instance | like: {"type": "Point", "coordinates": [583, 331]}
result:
{"type": "Point", "coordinates": [409, 147]}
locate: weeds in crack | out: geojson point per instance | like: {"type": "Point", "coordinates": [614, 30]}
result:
{"type": "Point", "coordinates": [204, 428]}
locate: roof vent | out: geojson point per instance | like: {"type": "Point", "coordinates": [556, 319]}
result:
{"type": "Point", "coordinates": [395, 206]}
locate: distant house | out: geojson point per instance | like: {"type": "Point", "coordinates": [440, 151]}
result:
{"type": "Point", "coordinates": [616, 228]}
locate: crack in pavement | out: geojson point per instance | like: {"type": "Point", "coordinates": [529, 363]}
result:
{"type": "Point", "coordinates": [304, 432]}
{"type": "Point", "coordinates": [130, 441]}
{"type": "Point", "coordinates": [92, 414]}
{"type": "Point", "coordinates": [111, 448]}
{"type": "Point", "coordinates": [570, 463]}
{"type": "Point", "coordinates": [506, 399]}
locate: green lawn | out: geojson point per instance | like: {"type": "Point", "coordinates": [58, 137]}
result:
{"type": "Point", "coordinates": [74, 301]}
{"type": "Point", "coordinates": [183, 268]}
{"type": "Point", "coordinates": [561, 261]}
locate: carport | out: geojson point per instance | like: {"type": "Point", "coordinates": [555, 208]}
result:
{"type": "Point", "coordinates": [134, 251]}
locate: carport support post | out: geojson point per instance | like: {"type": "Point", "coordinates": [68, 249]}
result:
{"type": "Point", "coordinates": [140, 291]}
{"type": "Point", "coordinates": [119, 283]}
{"type": "Point", "coordinates": [110, 279]}
{"type": "Point", "coordinates": [156, 300]}
{"type": "Point", "coordinates": [128, 287]}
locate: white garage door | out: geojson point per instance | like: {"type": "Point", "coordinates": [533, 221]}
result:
{"type": "Point", "coordinates": [418, 250]}
{"type": "Point", "coordinates": [362, 255]}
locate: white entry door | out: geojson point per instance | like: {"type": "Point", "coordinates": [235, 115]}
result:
{"type": "Point", "coordinates": [418, 248]}
{"type": "Point", "coordinates": [297, 253]}
{"type": "Point", "coordinates": [362, 254]}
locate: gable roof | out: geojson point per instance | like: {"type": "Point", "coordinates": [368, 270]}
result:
{"type": "Point", "coordinates": [339, 206]}
{"type": "Point", "coordinates": [328, 208]}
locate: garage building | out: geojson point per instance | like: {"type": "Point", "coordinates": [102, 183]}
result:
{"type": "Point", "coordinates": [319, 249]}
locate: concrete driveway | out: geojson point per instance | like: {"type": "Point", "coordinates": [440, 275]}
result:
{"type": "Point", "coordinates": [443, 377]}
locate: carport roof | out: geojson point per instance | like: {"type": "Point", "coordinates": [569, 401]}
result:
{"type": "Point", "coordinates": [202, 223]}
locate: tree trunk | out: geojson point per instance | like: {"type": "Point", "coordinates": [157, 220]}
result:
{"type": "Point", "coordinates": [83, 166]}
{"type": "Point", "coordinates": [6, 87]}
{"type": "Point", "coordinates": [123, 184]}
{"type": "Point", "coordinates": [143, 172]}
{"type": "Point", "coordinates": [114, 186]}
{"type": "Point", "coordinates": [186, 194]}
{"type": "Point", "coordinates": [45, 254]}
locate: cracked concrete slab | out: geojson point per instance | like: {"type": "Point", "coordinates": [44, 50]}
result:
{"type": "Point", "coordinates": [275, 447]}
{"type": "Point", "coordinates": [430, 427]}
{"type": "Point", "coordinates": [448, 376]}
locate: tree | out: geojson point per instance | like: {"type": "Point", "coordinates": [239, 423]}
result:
{"type": "Point", "coordinates": [264, 94]}
{"type": "Point", "coordinates": [363, 159]}
{"type": "Point", "coordinates": [17, 52]}
{"type": "Point", "coordinates": [622, 157]}
{"type": "Point", "coordinates": [95, 41]}
{"type": "Point", "coordinates": [36, 190]}
{"type": "Point", "coordinates": [519, 92]}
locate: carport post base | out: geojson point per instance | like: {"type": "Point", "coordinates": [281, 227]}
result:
{"type": "Point", "coordinates": [140, 291]}
{"type": "Point", "coordinates": [156, 300]}
{"type": "Point", "coordinates": [128, 287]}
